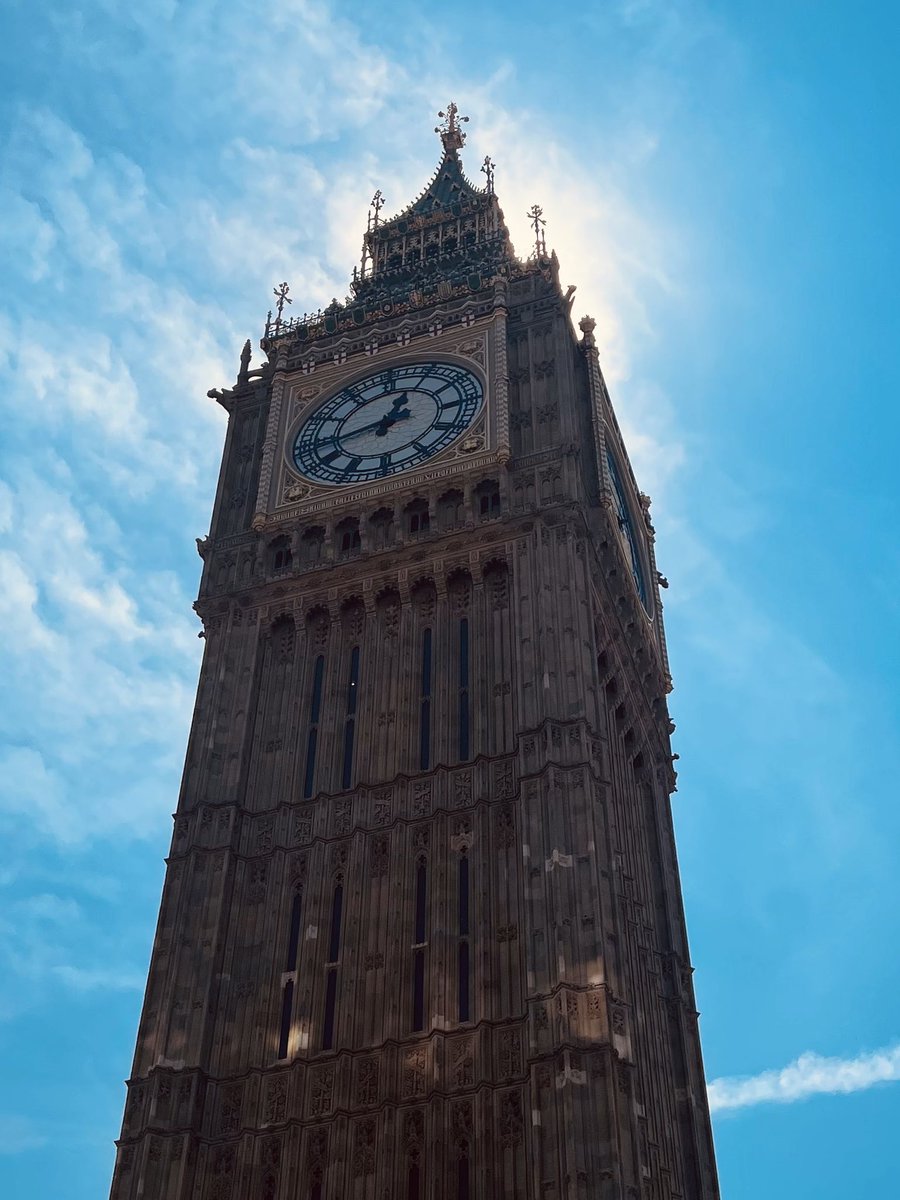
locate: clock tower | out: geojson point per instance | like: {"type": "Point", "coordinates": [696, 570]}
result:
{"type": "Point", "coordinates": [421, 935]}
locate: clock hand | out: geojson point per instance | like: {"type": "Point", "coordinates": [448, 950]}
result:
{"type": "Point", "coordinates": [382, 425]}
{"type": "Point", "coordinates": [363, 429]}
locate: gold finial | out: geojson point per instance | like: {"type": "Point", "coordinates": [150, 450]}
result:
{"type": "Point", "coordinates": [451, 134]}
{"type": "Point", "coordinates": [282, 297]}
{"type": "Point", "coordinates": [536, 213]}
{"type": "Point", "coordinates": [487, 168]}
{"type": "Point", "coordinates": [375, 208]}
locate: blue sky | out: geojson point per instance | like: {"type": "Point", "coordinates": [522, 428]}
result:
{"type": "Point", "coordinates": [720, 181]}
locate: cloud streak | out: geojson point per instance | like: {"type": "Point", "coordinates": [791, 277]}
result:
{"type": "Point", "coordinates": [809, 1075]}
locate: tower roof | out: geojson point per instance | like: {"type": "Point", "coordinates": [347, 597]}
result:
{"type": "Point", "coordinates": [450, 240]}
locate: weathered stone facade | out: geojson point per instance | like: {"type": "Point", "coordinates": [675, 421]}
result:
{"type": "Point", "coordinates": [463, 981]}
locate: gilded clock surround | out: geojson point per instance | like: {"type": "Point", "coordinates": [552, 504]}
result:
{"type": "Point", "coordinates": [306, 392]}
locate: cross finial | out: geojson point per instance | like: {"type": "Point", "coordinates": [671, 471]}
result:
{"type": "Point", "coordinates": [487, 168]}
{"type": "Point", "coordinates": [375, 208]}
{"type": "Point", "coordinates": [282, 298]}
{"type": "Point", "coordinates": [451, 134]}
{"type": "Point", "coordinates": [536, 213]}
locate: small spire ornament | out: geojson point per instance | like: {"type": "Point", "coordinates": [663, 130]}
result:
{"type": "Point", "coordinates": [375, 208]}
{"type": "Point", "coordinates": [451, 134]}
{"type": "Point", "coordinates": [538, 224]}
{"type": "Point", "coordinates": [487, 168]}
{"type": "Point", "coordinates": [282, 298]}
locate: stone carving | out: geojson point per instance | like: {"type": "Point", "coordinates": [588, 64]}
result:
{"type": "Point", "coordinates": [321, 1092]}
{"type": "Point", "coordinates": [462, 789]}
{"type": "Point", "coordinates": [420, 837]}
{"type": "Point", "coordinates": [462, 1068]}
{"type": "Point", "coordinates": [275, 1103]}
{"type": "Point", "coordinates": [389, 608]}
{"type": "Point", "coordinates": [459, 591]}
{"type": "Point", "coordinates": [339, 856]}
{"type": "Point", "coordinates": [163, 1097]}
{"type": "Point", "coordinates": [617, 1020]}
{"type": "Point", "coordinates": [271, 1167]}
{"type": "Point", "coordinates": [374, 961]}
{"type": "Point", "coordinates": [413, 1133]}
{"type": "Point", "coordinates": [379, 856]}
{"type": "Point", "coordinates": [353, 617]}
{"type": "Point", "coordinates": [257, 880]}
{"type": "Point", "coordinates": [367, 1082]}
{"type": "Point", "coordinates": [505, 827]}
{"type": "Point", "coordinates": [316, 1155]}
{"type": "Point", "coordinates": [509, 1053]}
{"type": "Point", "coordinates": [496, 579]}
{"type": "Point", "coordinates": [318, 624]}
{"type": "Point", "coordinates": [301, 829]}
{"type": "Point", "coordinates": [343, 817]}
{"type": "Point", "coordinates": [363, 1161]}
{"type": "Point", "coordinates": [264, 835]}
{"type": "Point", "coordinates": [461, 1125]}
{"type": "Point", "coordinates": [508, 933]}
{"type": "Point", "coordinates": [412, 1081]}
{"type": "Point", "coordinates": [421, 799]}
{"type": "Point", "coordinates": [232, 1102]}
{"type": "Point", "coordinates": [511, 1125]}
{"type": "Point", "coordinates": [283, 638]}
{"type": "Point", "coordinates": [297, 865]}
{"type": "Point", "coordinates": [504, 781]}
{"type": "Point", "coordinates": [221, 1173]}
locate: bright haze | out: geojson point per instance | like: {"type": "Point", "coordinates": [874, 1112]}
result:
{"type": "Point", "coordinates": [720, 182]}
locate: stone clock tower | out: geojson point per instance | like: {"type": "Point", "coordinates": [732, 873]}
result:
{"type": "Point", "coordinates": [421, 936]}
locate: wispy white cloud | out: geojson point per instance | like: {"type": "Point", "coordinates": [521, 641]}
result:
{"type": "Point", "coordinates": [809, 1075]}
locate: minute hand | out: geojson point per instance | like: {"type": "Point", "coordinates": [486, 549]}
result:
{"type": "Point", "coordinates": [382, 423]}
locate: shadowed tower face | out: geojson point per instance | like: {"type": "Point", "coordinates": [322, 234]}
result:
{"type": "Point", "coordinates": [421, 935]}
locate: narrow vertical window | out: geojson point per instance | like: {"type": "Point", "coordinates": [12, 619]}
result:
{"type": "Point", "coordinates": [287, 1006]}
{"type": "Point", "coordinates": [330, 998]}
{"type": "Point", "coordinates": [463, 981]}
{"type": "Point", "coordinates": [334, 953]}
{"type": "Point", "coordinates": [334, 940]}
{"type": "Point", "coordinates": [315, 709]}
{"type": "Point", "coordinates": [463, 893]}
{"type": "Point", "coordinates": [418, 1021]}
{"type": "Point", "coordinates": [464, 689]}
{"type": "Point", "coordinates": [412, 1182]}
{"type": "Point", "coordinates": [349, 724]}
{"type": "Point", "coordinates": [294, 935]}
{"type": "Point", "coordinates": [462, 1176]}
{"type": "Point", "coordinates": [425, 708]}
{"type": "Point", "coordinates": [421, 900]}
{"type": "Point", "coordinates": [420, 935]}
{"type": "Point", "coordinates": [463, 986]}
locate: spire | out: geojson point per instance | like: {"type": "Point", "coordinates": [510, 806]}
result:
{"type": "Point", "coordinates": [451, 135]}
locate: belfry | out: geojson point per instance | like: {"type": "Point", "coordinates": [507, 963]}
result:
{"type": "Point", "coordinates": [421, 935]}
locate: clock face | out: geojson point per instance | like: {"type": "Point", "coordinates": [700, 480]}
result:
{"type": "Point", "coordinates": [387, 422]}
{"type": "Point", "coordinates": [626, 527]}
